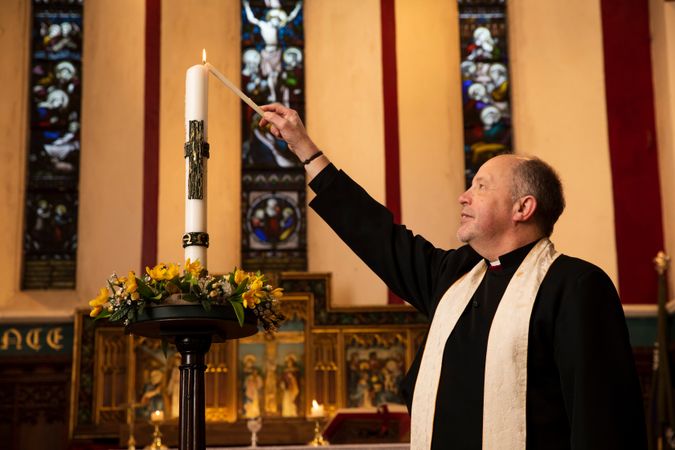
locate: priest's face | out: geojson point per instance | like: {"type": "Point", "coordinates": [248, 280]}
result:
{"type": "Point", "coordinates": [487, 206]}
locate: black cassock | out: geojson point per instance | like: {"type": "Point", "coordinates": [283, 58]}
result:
{"type": "Point", "coordinates": [582, 386]}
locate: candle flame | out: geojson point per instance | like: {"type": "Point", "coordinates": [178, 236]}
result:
{"type": "Point", "coordinates": [315, 404]}
{"type": "Point", "coordinates": [203, 56]}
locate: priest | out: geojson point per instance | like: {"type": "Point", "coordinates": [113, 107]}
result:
{"type": "Point", "coordinates": [527, 348]}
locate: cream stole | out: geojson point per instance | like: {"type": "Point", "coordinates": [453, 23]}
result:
{"type": "Point", "coordinates": [505, 361]}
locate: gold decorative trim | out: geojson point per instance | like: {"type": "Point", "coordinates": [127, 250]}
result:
{"type": "Point", "coordinates": [661, 262]}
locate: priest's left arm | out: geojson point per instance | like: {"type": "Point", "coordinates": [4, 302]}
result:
{"type": "Point", "coordinates": [599, 383]}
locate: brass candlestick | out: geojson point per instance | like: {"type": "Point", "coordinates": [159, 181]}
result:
{"type": "Point", "coordinates": [156, 418]}
{"type": "Point", "coordinates": [318, 440]}
{"type": "Point", "coordinates": [131, 418]}
{"type": "Point", "coordinates": [156, 440]}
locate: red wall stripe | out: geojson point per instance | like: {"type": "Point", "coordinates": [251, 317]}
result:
{"type": "Point", "coordinates": [632, 145]}
{"type": "Point", "coordinates": [151, 133]}
{"type": "Point", "coordinates": [390, 96]}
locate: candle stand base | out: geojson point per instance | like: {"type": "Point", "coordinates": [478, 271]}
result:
{"type": "Point", "coordinates": [191, 329]}
{"type": "Point", "coordinates": [156, 441]}
{"type": "Point", "coordinates": [318, 440]}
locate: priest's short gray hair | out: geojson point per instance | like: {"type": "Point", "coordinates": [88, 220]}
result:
{"type": "Point", "coordinates": [534, 177]}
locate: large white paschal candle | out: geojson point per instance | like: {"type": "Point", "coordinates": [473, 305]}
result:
{"type": "Point", "coordinates": [195, 239]}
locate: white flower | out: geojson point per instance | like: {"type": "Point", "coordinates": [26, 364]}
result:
{"type": "Point", "coordinates": [227, 289]}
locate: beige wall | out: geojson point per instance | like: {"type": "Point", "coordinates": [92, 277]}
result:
{"type": "Point", "coordinates": [14, 27]}
{"type": "Point", "coordinates": [430, 115]}
{"type": "Point", "coordinates": [558, 113]}
{"type": "Point", "coordinates": [558, 99]}
{"type": "Point", "coordinates": [662, 16]}
{"type": "Point", "coordinates": [345, 117]}
{"type": "Point", "coordinates": [111, 167]}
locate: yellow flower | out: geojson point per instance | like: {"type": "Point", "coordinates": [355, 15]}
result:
{"type": "Point", "coordinates": [193, 268]}
{"type": "Point", "coordinates": [277, 293]}
{"type": "Point", "coordinates": [257, 284]}
{"type": "Point", "coordinates": [162, 272]}
{"type": "Point", "coordinates": [130, 285]}
{"type": "Point", "coordinates": [249, 299]}
{"type": "Point", "coordinates": [239, 276]}
{"type": "Point", "coordinates": [101, 299]}
{"type": "Point", "coordinates": [172, 271]}
{"type": "Point", "coordinates": [157, 272]}
{"type": "Point", "coordinates": [98, 302]}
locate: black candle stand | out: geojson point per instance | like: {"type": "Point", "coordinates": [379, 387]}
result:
{"type": "Point", "coordinates": [192, 329]}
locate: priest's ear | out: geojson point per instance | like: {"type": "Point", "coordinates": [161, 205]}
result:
{"type": "Point", "coordinates": [524, 208]}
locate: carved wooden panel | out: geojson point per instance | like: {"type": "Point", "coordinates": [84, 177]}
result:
{"type": "Point", "coordinates": [34, 402]}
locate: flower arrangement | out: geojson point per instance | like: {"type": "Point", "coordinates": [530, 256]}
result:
{"type": "Point", "coordinates": [125, 297]}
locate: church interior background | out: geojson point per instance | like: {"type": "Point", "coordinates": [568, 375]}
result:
{"type": "Point", "coordinates": [407, 97]}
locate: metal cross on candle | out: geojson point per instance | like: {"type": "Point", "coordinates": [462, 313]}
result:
{"type": "Point", "coordinates": [196, 149]}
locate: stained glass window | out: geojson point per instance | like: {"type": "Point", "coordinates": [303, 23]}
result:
{"type": "Point", "coordinates": [485, 82]}
{"type": "Point", "coordinates": [273, 181]}
{"type": "Point", "coordinates": [50, 222]}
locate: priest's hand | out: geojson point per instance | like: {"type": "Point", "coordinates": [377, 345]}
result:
{"type": "Point", "coordinates": [284, 123]}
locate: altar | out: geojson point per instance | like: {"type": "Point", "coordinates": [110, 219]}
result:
{"type": "Point", "coordinates": [340, 447]}
{"type": "Point", "coordinates": [328, 352]}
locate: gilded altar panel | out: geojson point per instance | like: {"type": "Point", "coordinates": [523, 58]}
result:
{"type": "Point", "coordinates": [272, 372]}
{"type": "Point", "coordinates": [110, 376]}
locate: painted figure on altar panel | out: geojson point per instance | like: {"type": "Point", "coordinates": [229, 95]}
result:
{"type": "Point", "coordinates": [252, 386]}
{"type": "Point", "coordinates": [271, 392]}
{"type": "Point", "coordinates": [290, 387]}
{"type": "Point", "coordinates": [153, 396]}
{"type": "Point", "coordinates": [156, 378]}
{"type": "Point", "coordinates": [374, 376]}
{"type": "Point", "coordinates": [173, 387]}
{"type": "Point", "coordinates": [362, 394]}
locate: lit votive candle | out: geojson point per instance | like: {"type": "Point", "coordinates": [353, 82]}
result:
{"type": "Point", "coordinates": [157, 416]}
{"type": "Point", "coordinates": [317, 410]}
